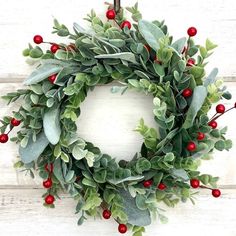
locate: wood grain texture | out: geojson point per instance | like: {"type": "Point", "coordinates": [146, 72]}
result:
{"type": "Point", "coordinates": [21, 20]}
{"type": "Point", "coordinates": [108, 120]}
{"type": "Point", "coordinates": [22, 214]}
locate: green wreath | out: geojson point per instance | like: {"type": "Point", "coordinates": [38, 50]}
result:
{"type": "Point", "coordinates": [142, 57]}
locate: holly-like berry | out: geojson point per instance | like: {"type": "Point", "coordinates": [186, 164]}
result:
{"type": "Point", "coordinates": [191, 147]}
{"type": "Point", "coordinates": [106, 214]}
{"type": "Point", "coordinates": [147, 183]}
{"type": "Point", "coordinates": [195, 183]}
{"type": "Point", "coordinates": [220, 108]}
{"type": "Point", "coordinates": [216, 192]}
{"type": "Point", "coordinates": [52, 78]}
{"type": "Point", "coordinates": [38, 39]}
{"type": "Point", "coordinates": [147, 47]}
{"type": "Point", "coordinates": [111, 14]}
{"type": "Point", "coordinates": [122, 228]}
{"type": "Point", "coordinates": [54, 48]}
{"type": "Point", "coordinates": [15, 122]}
{"type": "Point", "coordinates": [47, 183]}
{"type": "Point", "coordinates": [213, 124]}
{"type": "Point", "coordinates": [192, 31]}
{"type": "Point", "coordinates": [200, 136]}
{"type": "Point", "coordinates": [49, 167]}
{"type": "Point", "coordinates": [187, 92]}
{"type": "Point", "coordinates": [3, 138]}
{"type": "Point", "coordinates": [49, 199]}
{"type": "Point", "coordinates": [161, 186]}
{"type": "Point", "coordinates": [126, 24]}
{"type": "Point", "coordinates": [235, 105]}
{"type": "Point", "coordinates": [190, 62]}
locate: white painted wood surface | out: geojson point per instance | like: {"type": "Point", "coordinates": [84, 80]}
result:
{"type": "Point", "coordinates": [21, 207]}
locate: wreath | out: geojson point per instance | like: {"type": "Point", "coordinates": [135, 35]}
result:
{"type": "Point", "coordinates": [141, 56]}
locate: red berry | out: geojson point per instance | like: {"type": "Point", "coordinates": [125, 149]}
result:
{"type": "Point", "coordinates": [190, 62]}
{"type": "Point", "coordinates": [47, 183]}
{"type": "Point", "coordinates": [54, 48]}
{"type": "Point", "coordinates": [187, 92]}
{"type": "Point", "coordinates": [213, 124]}
{"type": "Point", "coordinates": [161, 186]}
{"type": "Point", "coordinates": [38, 39]}
{"type": "Point", "coordinates": [122, 228]}
{"type": "Point", "coordinates": [111, 14]}
{"type": "Point", "coordinates": [15, 122]}
{"type": "Point", "coordinates": [195, 183]}
{"type": "Point", "coordinates": [235, 104]}
{"type": "Point", "coordinates": [191, 146]}
{"type": "Point", "coordinates": [200, 136]}
{"type": "Point", "coordinates": [192, 31]}
{"type": "Point", "coordinates": [3, 138]}
{"type": "Point", "coordinates": [49, 167]}
{"type": "Point", "coordinates": [147, 183]}
{"type": "Point", "coordinates": [106, 214]}
{"type": "Point", "coordinates": [220, 108]}
{"type": "Point", "coordinates": [52, 78]}
{"type": "Point", "coordinates": [49, 199]}
{"type": "Point", "coordinates": [147, 47]}
{"type": "Point", "coordinates": [126, 24]}
{"type": "Point", "coordinates": [216, 192]}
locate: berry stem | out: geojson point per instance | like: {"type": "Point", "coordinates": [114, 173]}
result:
{"type": "Point", "coordinates": [215, 117]}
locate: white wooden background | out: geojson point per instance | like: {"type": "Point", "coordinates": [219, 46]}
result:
{"type": "Point", "coordinates": [21, 210]}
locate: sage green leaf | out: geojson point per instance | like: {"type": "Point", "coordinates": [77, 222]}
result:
{"type": "Point", "coordinates": [80, 29]}
{"type": "Point", "coordinates": [135, 215]}
{"type": "Point", "coordinates": [100, 176]}
{"type": "Point", "coordinates": [159, 69]}
{"type": "Point", "coordinates": [126, 56]}
{"type": "Point", "coordinates": [143, 165]}
{"type": "Point", "coordinates": [199, 96]}
{"type": "Point", "coordinates": [211, 78]}
{"type": "Point", "coordinates": [51, 125]}
{"type": "Point", "coordinates": [90, 157]}
{"type": "Point", "coordinates": [179, 44]}
{"type": "Point", "coordinates": [57, 170]}
{"type": "Point", "coordinates": [131, 178]}
{"type": "Point", "coordinates": [180, 173]}
{"type": "Point", "coordinates": [151, 33]}
{"type": "Point", "coordinates": [33, 149]}
{"type": "Point", "coordinates": [89, 182]}
{"type": "Point", "coordinates": [78, 153]}
{"type": "Point", "coordinates": [42, 72]}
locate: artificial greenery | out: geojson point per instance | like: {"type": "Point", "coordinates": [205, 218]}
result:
{"type": "Point", "coordinates": [146, 59]}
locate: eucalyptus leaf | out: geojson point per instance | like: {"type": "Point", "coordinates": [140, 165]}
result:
{"type": "Point", "coordinates": [211, 78]}
{"type": "Point", "coordinates": [135, 215]}
{"type": "Point", "coordinates": [51, 125]}
{"type": "Point", "coordinates": [179, 44]}
{"type": "Point", "coordinates": [151, 33]}
{"type": "Point", "coordinates": [180, 173]}
{"type": "Point", "coordinates": [199, 96]}
{"type": "Point", "coordinates": [41, 73]}
{"type": "Point", "coordinates": [126, 56]}
{"type": "Point", "coordinates": [33, 149]}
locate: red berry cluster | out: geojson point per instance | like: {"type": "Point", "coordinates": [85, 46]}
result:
{"type": "Point", "coordinates": [122, 228]}
{"type": "Point", "coordinates": [111, 15]}
{"type": "Point", "coordinates": [148, 184]}
{"type": "Point", "coordinates": [13, 123]}
{"type": "Point", "coordinates": [195, 183]}
{"type": "Point", "coordinates": [49, 199]}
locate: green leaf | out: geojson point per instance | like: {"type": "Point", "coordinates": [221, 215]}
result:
{"type": "Point", "coordinates": [151, 33]}
{"type": "Point", "coordinates": [126, 56]}
{"type": "Point", "coordinates": [159, 69]}
{"type": "Point", "coordinates": [179, 44]}
{"type": "Point", "coordinates": [180, 173]}
{"type": "Point", "coordinates": [57, 170]}
{"type": "Point", "coordinates": [78, 153]}
{"type": "Point", "coordinates": [210, 45]}
{"type": "Point", "coordinates": [197, 71]}
{"type": "Point", "coordinates": [211, 78]}
{"type": "Point", "coordinates": [143, 165]}
{"type": "Point", "coordinates": [199, 96]}
{"type": "Point", "coordinates": [100, 176]}
{"type": "Point", "coordinates": [220, 145]}
{"type": "Point", "coordinates": [132, 211]}
{"type": "Point", "coordinates": [89, 182]}
{"type": "Point", "coordinates": [36, 52]}
{"type": "Point", "coordinates": [33, 149]}
{"type": "Point", "coordinates": [130, 178]}
{"type": "Point", "coordinates": [51, 125]}
{"type": "Point", "coordinates": [42, 72]}
{"type": "Point", "coordinates": [65, 157]}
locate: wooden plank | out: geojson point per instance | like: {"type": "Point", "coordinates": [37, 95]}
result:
{"type": "Point", "coordinates": [22, 214]}
{"type": "Point", "coordinates": [19, 27]}
{"type": "Point", "coordinates": [103, 112]}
